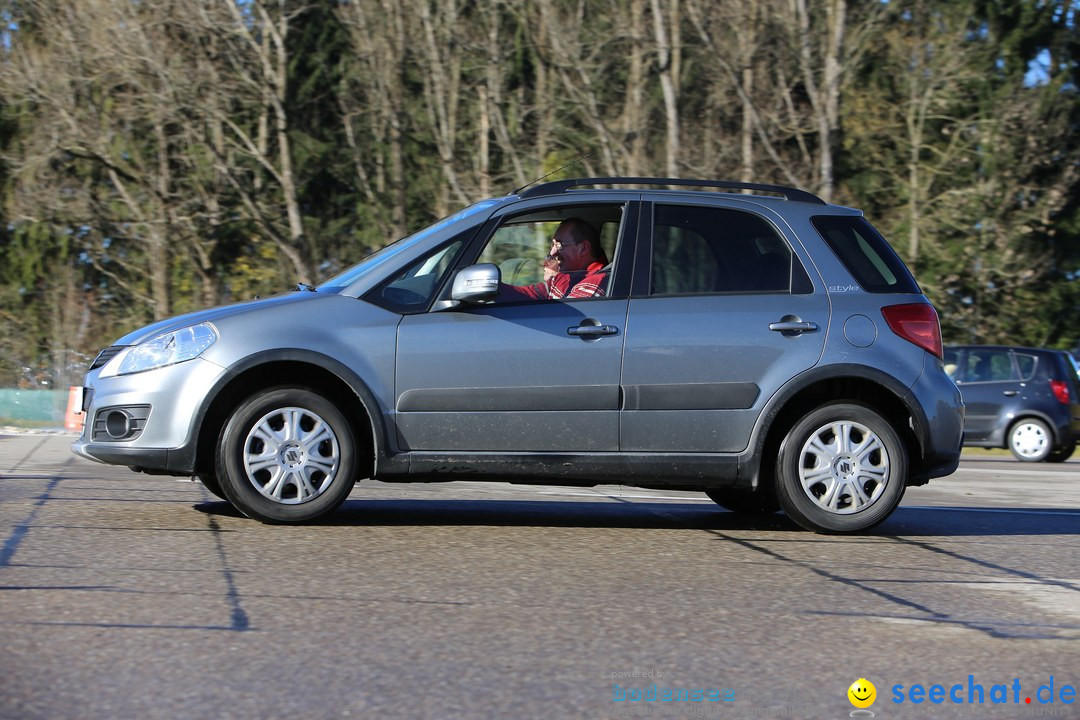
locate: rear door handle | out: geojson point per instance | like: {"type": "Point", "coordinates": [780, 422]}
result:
{"type": "Point", "coordinates": [793, 327]}
{"type": "Point", "coordinates": [1010, 393]}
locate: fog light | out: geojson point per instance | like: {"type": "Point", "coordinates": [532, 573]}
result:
{"type": "Point", "coordinates": [118, 424]}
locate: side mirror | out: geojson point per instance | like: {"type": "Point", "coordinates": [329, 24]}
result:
{"type": "Point", "coordinates": [476, 283]}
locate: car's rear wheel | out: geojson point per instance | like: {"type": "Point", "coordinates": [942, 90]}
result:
{"type": "Point", "coordinates": [744, 502]}
{"type": "Point", "coordinates": [287, 456]}
{"type": "Point", "coordinates": [1030, 440]}
{"type": "Point", "coordinates": [1061, 454]}
{"type": "Point", "coordinates": [841, 469]}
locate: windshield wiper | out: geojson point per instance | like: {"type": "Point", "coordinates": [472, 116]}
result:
{"type": "Point", "coordinates": [304, 286]}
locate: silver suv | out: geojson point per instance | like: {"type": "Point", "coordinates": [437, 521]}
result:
{"type": "Point", "coordinates": [748, 341]}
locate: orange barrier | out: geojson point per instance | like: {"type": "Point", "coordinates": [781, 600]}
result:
{"type": "Point", "coordinates": [74, 417]}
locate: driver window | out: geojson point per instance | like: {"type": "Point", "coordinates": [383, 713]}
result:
{"type": "Point", "coordinates": [522, 244]}
{"type": "Point", "coordinates": [519, 250]}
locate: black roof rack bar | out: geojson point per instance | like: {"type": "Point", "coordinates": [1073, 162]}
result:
{"type": "Point", "coordinates": [556, 187]}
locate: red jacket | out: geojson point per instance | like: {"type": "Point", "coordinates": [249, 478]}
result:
{"type": "Point", "coordinates": [589, 282]}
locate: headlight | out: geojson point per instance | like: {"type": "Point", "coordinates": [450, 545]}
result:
{"type": "Point", "coordinates": [168, 349]}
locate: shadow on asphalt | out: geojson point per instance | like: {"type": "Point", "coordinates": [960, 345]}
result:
{"type": "Point", "coordinates": [906, 521]}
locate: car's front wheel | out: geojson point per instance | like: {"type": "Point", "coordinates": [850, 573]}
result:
{"type": "Point", "coordinates": [287, 456]}
{"type": "Point", "coordinates": [841, 469]}
{"type": "Point", "coordinates": [1030, 440]}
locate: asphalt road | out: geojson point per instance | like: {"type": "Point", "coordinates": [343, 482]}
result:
{"type": "Point", "coordinates": [128, 596]}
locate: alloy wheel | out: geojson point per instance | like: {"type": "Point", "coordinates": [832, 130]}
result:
{"type": "Point", "coordinates": [843, 467]}
{"type": "Point", "coordinates": [291, 455]}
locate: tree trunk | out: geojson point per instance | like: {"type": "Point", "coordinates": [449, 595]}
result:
{"type": "Point", "coordinates": [667, 61]}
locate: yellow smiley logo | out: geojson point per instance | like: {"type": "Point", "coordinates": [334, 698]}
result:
{"type": "Point", "coordinates": [862, 693]}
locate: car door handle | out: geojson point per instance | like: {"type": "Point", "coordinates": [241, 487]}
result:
{"type": "Point", "coordinates": [793, 326]}
{"type": "Point", "coordinates": [592, 330]}
{"type": "Point", "coordinates": [1010, 393]}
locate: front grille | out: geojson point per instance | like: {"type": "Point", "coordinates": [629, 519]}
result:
{"type": "Point", "coordinates": [106, 355]}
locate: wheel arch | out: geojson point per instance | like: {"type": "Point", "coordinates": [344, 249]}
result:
{"type": "Point", "coordinates": [299, 368]}
{"type": "Point", "coordinates": [819, 386]}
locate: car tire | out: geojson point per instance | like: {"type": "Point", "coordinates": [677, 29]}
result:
{"type": "Point", "coordinates": [842, 468]}
{"type": "Point", "coordinates": [288, 455]}
{"type": "Point", "coordinates": [744, 502]}
{"type": "Point", "coordinates": [1061, 454]}
{"type": "Point", "coordinates": [1030, 440]}
{"type": "Point", "coordinates": [210, 482]}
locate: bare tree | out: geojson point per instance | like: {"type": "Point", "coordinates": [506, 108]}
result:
{"type": "Point", "coordinates": [250, 52]}
{"type": "Point", "coordinates": [827, 44]}
{"type": "Point", "coordinates": [579, 58]}
{"type": "Point", "coordinates": [740, 39]}
{"type": "Point", "coordinates": [102, 101]}
{"type": "Point", "coordinates": [373, 107]}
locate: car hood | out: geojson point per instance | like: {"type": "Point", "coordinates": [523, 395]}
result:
{"type": "Point", "coordinates": [216, 313]}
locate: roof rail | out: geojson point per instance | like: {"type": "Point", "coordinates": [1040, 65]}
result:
{"type": "Point", "coordinates": [557, 187]}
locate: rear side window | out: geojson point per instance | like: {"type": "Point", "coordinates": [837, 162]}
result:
{"type": "Point", "coordinates": [699, 250]}
{"type": "Point", "coordinates": [989, 366]}
{"type": "Point", "coordinates": [866, 254]}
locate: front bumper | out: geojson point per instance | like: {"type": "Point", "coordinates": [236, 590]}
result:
{"type": "Point", "coordinates": [166, 443]}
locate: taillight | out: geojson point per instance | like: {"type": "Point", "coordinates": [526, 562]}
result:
{"type": "Point", "coordinates": [1061, 391]}
{"type": "Point", "coordinates": [917, 323]}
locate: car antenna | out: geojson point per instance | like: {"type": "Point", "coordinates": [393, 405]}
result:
{"type": "Point", "coordinates": [575, 161]}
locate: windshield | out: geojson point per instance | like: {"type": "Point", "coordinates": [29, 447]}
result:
{"type": "Point", "coordinates": [347, 277]}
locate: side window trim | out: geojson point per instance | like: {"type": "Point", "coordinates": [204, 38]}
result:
{"type": "Point", "coordinates": [643, 252]}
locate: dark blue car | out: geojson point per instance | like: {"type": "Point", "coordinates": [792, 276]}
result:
{"type": "Point", "coordinates": [1024, 399]}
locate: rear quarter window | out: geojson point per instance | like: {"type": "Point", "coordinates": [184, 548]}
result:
{"type": "Point", "coordinates": [865, 253]}
{"type": "Point", "coordinates": [1026, 364]}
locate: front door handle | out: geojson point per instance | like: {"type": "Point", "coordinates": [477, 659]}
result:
{"type": "Point", "coordinates": [592, 331]}
{"type": "Point", "coordinates": [1010, 393]}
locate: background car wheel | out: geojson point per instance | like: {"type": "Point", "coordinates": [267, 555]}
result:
{"type": "Point", "coordinates": [1061, 454]}
{"type": "Point", "coordinates": [1030, 440]}
{"type": "Point", "coordinates": [841, 469]}
{"type": "Point", "coordinates": [744, 502]}
{"type": "Point", "coordinates": [287, 456]}
{"type": "Point", "coordinates": [210, 482]}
